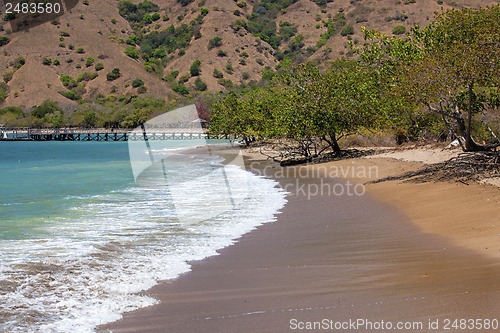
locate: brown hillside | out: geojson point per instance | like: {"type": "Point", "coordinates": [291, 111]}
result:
{"type": "Point", "coordinates": [99, 30]}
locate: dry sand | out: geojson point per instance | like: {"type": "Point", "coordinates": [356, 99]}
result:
{"type": "Point", "coordinates": [400, 253]}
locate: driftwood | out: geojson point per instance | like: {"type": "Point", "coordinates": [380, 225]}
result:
{"type": "Point", "coordinates": [466, 167]}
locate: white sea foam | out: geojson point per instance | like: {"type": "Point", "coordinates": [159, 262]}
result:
{"type": "Point", "coordinates": [93, 265]}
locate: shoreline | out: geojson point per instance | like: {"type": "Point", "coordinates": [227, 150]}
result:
{"type": "Point", "coordinates": [329, 257]}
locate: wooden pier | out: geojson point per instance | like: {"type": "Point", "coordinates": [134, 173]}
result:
{"type": "Point", "coordinates": [78, 134]}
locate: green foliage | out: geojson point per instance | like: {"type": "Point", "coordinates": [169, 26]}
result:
{"type": "Point", "coordinates": [4, 91]}
{"type": "Point", "coordinates": [47, 107]}
{"type": "Point", "coordinates": [180, 89]}
{"type": "Point", "coordinates": [4, 40]}
{"type": "Point", "coordinates": [221, 53]}
{"type": "Point", "coordinates": [113, 75]}
{"type": "Point", "coordinates": [185, 2]}
{"type": "Point", "coordinates": [304, 105]}
{"type": "Point", "coordinates": [215, 42]}
{"type": "Point", "coordinates": [172, 75]}
{"type": "Point", "coordinates": [399, 30]}
{"type": "Point", "coordinates": [217, 74]}
{"type": "Point", "coordinates": [99, 66]}
{"type": "Point", "coordinates": [347, 30]}
{"type": "Point", "coordinates": [89, 62]}
{"type": "Point", "coordinates": [195, 68]}
{"type": "Point", "coordinates": [135, 14]}
{"type": "Point", "coordinates": [168, 40]}
{"type": "Point", "coordinates": [136, 83]}
{"type": "Point", "coordinates": [132, 52]}
{"type": "Point", "coordinates": [70, 94]}
{"type": "Point", "coordinates": [262, 21]}
{"type": "Point", "coordinates": [225, 83]}
{"type": "Point", "coordinates": [47, 61]}
{"type": "Point", "coordinates": [7, 77]}
{"type": "Point", "coordinates": [199, 84]}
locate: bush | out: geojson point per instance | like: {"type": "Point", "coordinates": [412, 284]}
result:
{"type": "Point", "coordinates": [221, 53]}
{"type": "Point", "coordinates": [218, 74]}
{"type": "Point", "coordinates": [215, 42]}
{"type": "Point", "coordinates": [89, 62]}
{"type": "Point", "coordinates": [183, 79]}
{"type": "Point", "coordinates": [80, 50]}
{"type": "Point", "coordinates": [347, 30]}
{"type": "Point", "coordinates": [225, 83]}
{"type": "Point", "coordinates": [200, 85]}
{"type": "Point", "coordinates": [47, 61]}
{"type": "Point", "coordinates": [4, 90]}
{"type": "Point", "coordinates": [180, 89]}
{"type": "Point", "coordinates": [70, 94]}
{"type": "Point", "coordinates": [137, 83]}
{"type": "Point", "coordinates": [4, 40]}
{"type": "Point", "coordinates": [195, 69]}
{"type": "Point", "coordinates": [132, 52]}
{"type": "Point", "coordinates": [399, 30]}
{"type": "Point", "coordinates": [113, 75]}
{"type": "Point", "coordinates": [99, 66]}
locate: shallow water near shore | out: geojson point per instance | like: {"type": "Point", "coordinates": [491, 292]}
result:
{"type": "Point", "coordinates": [80, 239]}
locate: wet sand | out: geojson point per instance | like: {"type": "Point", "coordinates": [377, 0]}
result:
{"type": "Point", "coordinates": [340, 258]}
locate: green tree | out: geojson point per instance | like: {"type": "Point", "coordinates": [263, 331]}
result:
{"type": "Point", "coordinates": [460, 69]}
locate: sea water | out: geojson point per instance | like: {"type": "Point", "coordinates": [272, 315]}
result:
{"type": "Point", "coordinates": [81, 238]}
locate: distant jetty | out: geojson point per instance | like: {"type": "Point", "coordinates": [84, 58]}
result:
{"type": "Point", "coordinates": [100, 134]}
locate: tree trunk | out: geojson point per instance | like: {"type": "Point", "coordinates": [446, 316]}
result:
{"type": "Point", "coordinates": [333, 143]}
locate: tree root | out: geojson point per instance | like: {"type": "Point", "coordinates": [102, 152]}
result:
{"type": "Point", "coordinates": [466, 167]}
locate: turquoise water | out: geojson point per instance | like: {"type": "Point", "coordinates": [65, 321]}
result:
{"type": "Point", "coordinates": [80, 238]}
{"type": "Point", "coordinates": [43, 180]}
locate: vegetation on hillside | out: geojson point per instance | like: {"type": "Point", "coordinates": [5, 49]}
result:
{"type": "Point", "coordinates": [442, 79]}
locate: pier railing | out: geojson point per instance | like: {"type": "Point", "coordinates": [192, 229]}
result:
{"type": "Point", "coordinates": [100, 134]}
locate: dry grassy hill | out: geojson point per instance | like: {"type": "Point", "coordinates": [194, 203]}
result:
{"type": "Point", "coordinates": [94, 28]}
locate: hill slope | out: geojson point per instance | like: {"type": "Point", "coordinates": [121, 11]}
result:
{"type": "Point", "coordinates": [252, 35]}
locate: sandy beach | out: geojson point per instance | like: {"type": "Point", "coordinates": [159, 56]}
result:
{"type": "Point", "coordinates": [345, 257]}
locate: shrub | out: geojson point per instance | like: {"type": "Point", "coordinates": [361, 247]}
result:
{"type": "Point", "coordinates": [113, 75]}
{"type": "Point", "coordinates": [137, 83]}
{"type": "Point", "coordinates": [183, 79]}
{"type": "Point", "coordinates": [70, 94]}
{"type": "Point", "coordinates": [172, 75]}
{"type": "Point", "coordinates": [132, 52]}
{"type": "Point", "coordinates": [218, 74]}
{"type": "Point", "coordinates": [80, 50]}
{"type": "Point", "coordinates": [347, 30]}
{"type": "Point", "coordinates": [57, 62]}
{"type": "Point", "coordinates": [215, 42]}
{"type": "Point", "coordinates": [245, 75]}
{"type": "Point", "coordinates": [4, 90]}
{"type": "Point", "coordinates": [47, 61]}
{"type": "Point", "coordinates": [8, 76]}
{"type": "Point", "coordinates": [142, 90]}
{"type": "Point", "coordinates": [89, 62]}
{"type": "Point", "coordinates": [399, 30]}
{"type": "Point", "coordinates": [180, 89]}
{"type": "Point", "coordinates": [195, 69]}
{"type": "Point", "coordinates": [4, 40]}
{"type": "Point", "coordinates": [221, 53]}
{"type": "Point", "coordinates": [99, 66]}
{"type": "Point", "coordinates": [225, 83]}
{"type": "Point", "coordinates": [200, 85]}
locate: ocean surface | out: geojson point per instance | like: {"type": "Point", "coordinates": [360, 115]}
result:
{"type": "Point", "coordinates": [82, 235]}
